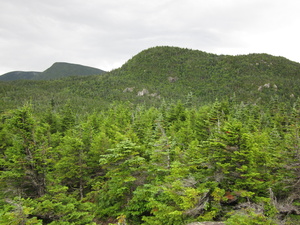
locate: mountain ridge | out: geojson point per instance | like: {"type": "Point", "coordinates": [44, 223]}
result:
{"type": "Point", "coordinates": [19, 75]}
{"type": "Point", "coordinates": [207, 74]}
{"type": "Point", "coordinates": [55, 71]}
{"type": "Point", "coordinates": [168, 74]}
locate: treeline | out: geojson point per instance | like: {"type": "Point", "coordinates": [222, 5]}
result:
{"type": "Point", "coordinates": [132, 164]}
{"type": "Point", "coordinates": [163, 73]}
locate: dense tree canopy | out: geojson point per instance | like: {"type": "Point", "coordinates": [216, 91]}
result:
{"type": "Point", "coordinates": [172, 137]}
{"type": "Point", "coordinates": [168, 165]}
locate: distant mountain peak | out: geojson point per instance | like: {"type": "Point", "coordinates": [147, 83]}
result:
{"type": "Point", "coordinates": [56, 71]}
{"type": "Point", "coordinates": [19, 75]}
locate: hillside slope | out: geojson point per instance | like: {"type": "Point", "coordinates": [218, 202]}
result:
{"type": "Point", "coordinates": [219, 142]}
{"type": "Point", "coordinates": [177, 71]}
{"type": "Point", "coordinates": [167, 74]}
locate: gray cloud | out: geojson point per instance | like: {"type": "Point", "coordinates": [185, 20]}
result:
{"type": "Point", "coordinates": [106, 33]}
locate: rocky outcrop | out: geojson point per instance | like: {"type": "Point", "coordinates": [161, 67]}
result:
{"type": "Point", "coordinates": [128, 89]}
{"type": "Point", "coordinates": [207, 223]}
{"type": "Point", "coordinates": [172, 79]}
{"type": "Point", "coordinates": [143, 92]}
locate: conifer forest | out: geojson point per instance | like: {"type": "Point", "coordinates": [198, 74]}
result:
{"type": "Point", "coordinates": [173, 137]}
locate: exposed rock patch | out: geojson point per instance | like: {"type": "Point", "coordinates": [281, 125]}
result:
{"type": "Point", "coordinates": [128, 89]}
{"type": "Point", "coordinates": [172, 79]}
{"type": "Point", "coordinates": [207, 223]}
{"type": "Point", "coordinates": [143, 92]}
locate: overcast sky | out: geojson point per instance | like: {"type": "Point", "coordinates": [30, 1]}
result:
{"type": "Point", "coordinates": [106, 33]}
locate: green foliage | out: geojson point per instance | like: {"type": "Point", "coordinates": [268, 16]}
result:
{"type": "Point", "coordinates": [124, 166]}
{"type": "Point", "coordinates": [167, 73]}
{"type": "Point", "coordinates": [164, 165]}
{"type": "Point", "coordinates": [248, 217]}
{"type": "Point", "coordinates": [16, 213]}
{"type": "Point", "coordinates": [25, 161]}
{"type": "Point", "coordinates": [136, 162]}
{"type": "Point", "coordinates": [62, 209]}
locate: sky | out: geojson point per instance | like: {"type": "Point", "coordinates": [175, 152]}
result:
{"type": "Point", "coordinates": [106, 33]}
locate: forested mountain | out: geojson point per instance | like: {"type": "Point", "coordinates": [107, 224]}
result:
{"type": "Point", "coordinates": [210, 75]}
{"type": "Point", "coordinates": [62, 69]}
{"type": "Point", "coordinates": [19, 75]}
{"type": "Point", "coordinates": [167, 73]}
{"type": "Point", "coordinates": [57, 70]}
{"type": "Point", "coordinates": [172, 137]}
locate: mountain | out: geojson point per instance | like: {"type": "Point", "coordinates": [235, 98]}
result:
{"type": "Point", "coordinates": [19, 75]}
{"type": "Point", "coordinates": [174, 136]}
{"type": "Point", "coordinates": [63, 69]}
{"type": "Point", "coordinates": [164, 74]}
{"type": "Point", "coordinates": [167, 165]}
{"type": "Point", "coordinates": [175, 72]}
{"type": "Point", "coordinates": [57, 70]}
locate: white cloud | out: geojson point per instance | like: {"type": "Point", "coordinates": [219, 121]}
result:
{"type": "Point", "coordinates": [106, 33]}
